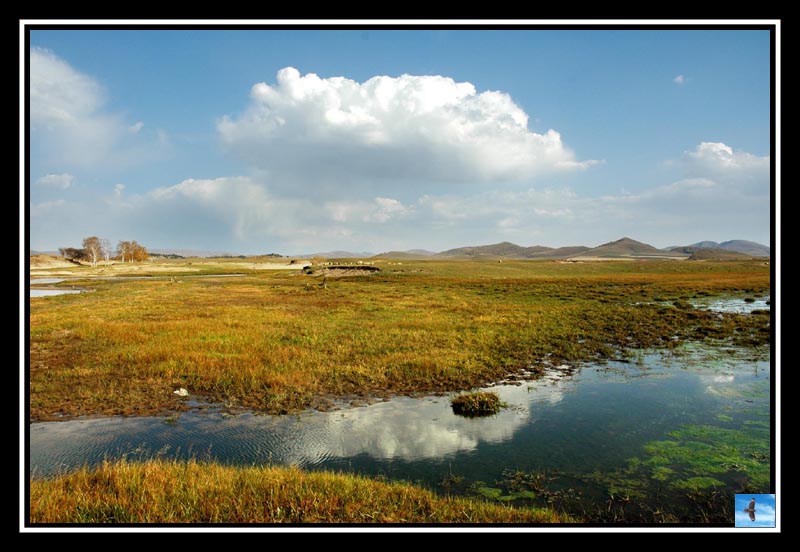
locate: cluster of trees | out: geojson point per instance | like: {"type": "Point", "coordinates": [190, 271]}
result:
{"type": "Point", "coordinates": [96, 249]}
{"type": "Point", "coordinates": [130, 251]}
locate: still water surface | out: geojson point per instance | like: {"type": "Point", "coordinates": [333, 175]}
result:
{"type": "Point", "coordinates": [593, 428]}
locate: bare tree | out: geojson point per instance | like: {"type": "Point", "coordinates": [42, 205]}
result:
{"type": "Point", "coordinates": [123, 250]}
{"type": "Point", "coordinates": [105, 243]}
{"type": "Point", "coordinates": [93, 248]}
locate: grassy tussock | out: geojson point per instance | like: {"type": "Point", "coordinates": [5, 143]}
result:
{"type": "Point", "coordinates": [480, 403]}
{"type": "Point", "coordinates": [163, 492]}
{"type": "Point", "coordinates": [274, 341]}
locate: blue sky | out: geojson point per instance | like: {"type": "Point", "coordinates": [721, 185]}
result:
{"type": "Point", "coordinates": [765, 510]}
{"type": "Point", "coordinates": [298, 141]}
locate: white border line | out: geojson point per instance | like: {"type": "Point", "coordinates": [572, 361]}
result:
{"type": "Point", "coordinates": [398, 22]}
{"type": "Point", "coordinates": [23, 280]}
{"type": "Point", "coordinates": [776, 259]}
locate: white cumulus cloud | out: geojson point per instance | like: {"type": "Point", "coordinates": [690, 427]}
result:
{"type": "Point", "coordinates": [62, 181]}
{"type": "Point", "coordinates": [429, 127]}
{"type": "Point", "coordinates": [680, 79]}
{"type": "Point", "coordinates": [714, 158]}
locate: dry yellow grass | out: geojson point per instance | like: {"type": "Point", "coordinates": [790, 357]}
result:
{"type": "Point", "coordinates": [275, 341]}
{"type": "Point", "coordinates": [165, 492]}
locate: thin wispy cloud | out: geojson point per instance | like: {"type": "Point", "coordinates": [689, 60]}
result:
{"type": "Point", "coordinates": [60, 181]}
{"type": "Point", "coordinates": [680, 79]}
{"type": "Point", "coordinates": [70, 122]}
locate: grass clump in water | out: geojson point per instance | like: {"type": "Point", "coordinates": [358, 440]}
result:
{"type": "Point", "coordinates": [479, 403]}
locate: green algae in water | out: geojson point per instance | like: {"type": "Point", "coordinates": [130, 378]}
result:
{"type": "Point", "coordinates": [496, 493]}
{"type": "Point", "coordinates": [694, 458]}
{"type": "Point", "coordinates": [724, 418]}
{"type": "Point", "coordinates": [662, 473]}
{"type": "Point", "coordinates": [759, 423]}
{"type": "Point", "coordinates": [698, 483]}
{"type": "Point", "coordinates": [701, 450]}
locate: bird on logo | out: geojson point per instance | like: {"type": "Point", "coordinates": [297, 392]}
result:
{"type": "Point", "coordinates": [751, 509]}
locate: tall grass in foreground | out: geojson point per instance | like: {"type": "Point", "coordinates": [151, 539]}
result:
{"type": "Point", "coordinates": [164, 491]}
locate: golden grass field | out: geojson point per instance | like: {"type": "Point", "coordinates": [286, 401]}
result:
{"type": "Point", "coordinates": [278, 340]}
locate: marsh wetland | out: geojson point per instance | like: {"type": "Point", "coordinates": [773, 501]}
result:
{"type": "Point", "coordinates": [633, 392]}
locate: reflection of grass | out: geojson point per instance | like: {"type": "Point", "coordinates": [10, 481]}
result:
{"type": "Point", "coordinates": [192, 492]}
{"type": "Point", "coordinates": [275, 343]}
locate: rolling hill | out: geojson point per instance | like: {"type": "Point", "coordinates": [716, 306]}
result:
{"type": "Point", "coordinates": [715, 254]}
{"type": "Point", "coordinates": [558, 253]}
{"type": "Point", "coordinates": [403, 256]}
{"type": "Point", "coordinates": [508, 250]}
{"type": "Point", "coordinates": [705, 245]}
{"type": "Point", "coordinates": [334, 255]}
{"type": "Point", "coordinates": [749, 248]}
{"type": "Point", "coordinates": [629, 249]}
{"type": "Point", "coordinates": [505, 250]}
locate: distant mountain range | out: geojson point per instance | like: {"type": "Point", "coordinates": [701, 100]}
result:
{"type": "Point", "coordinates": [628, 248]}
{"type": "Point", "coordinates": [334, 255]}
{"type": "Point", "coordinates": [712, 254]}
{"type": "Point", "coordinates": [750, 248]}
{"type": "Point", "coordinates": [192, 253]}
{"type": "Point", "coordinates": [622, 248]}
{"type": "Point", "coordinates": [508, 250]}
{"type": "Point", "coordinates": [411, 255]}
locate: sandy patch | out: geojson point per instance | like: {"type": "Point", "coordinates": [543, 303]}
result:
{"type": "Point", "coordinates": [48, 261]}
